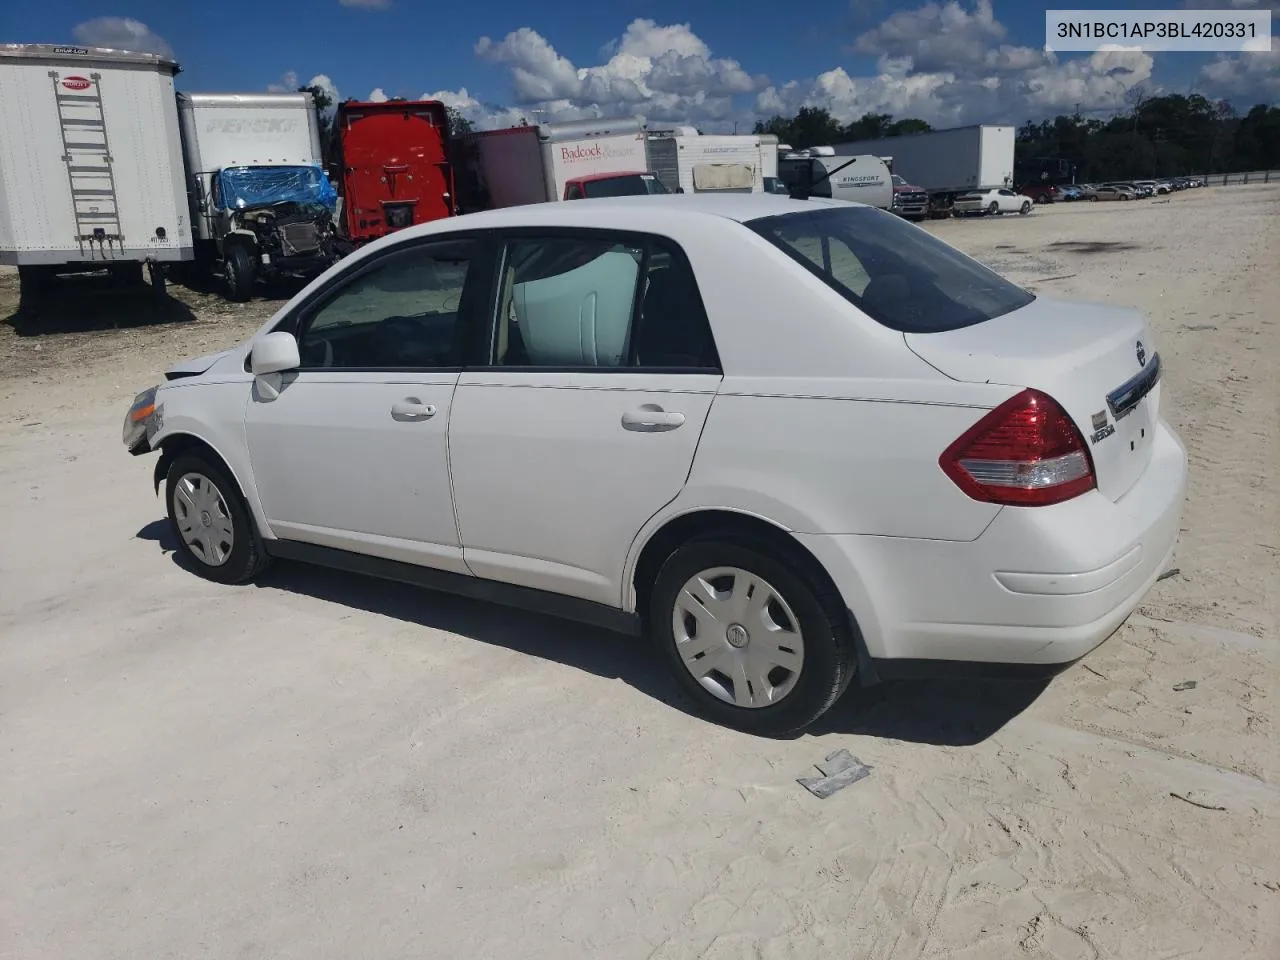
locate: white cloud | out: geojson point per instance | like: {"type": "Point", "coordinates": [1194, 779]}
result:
{"type": "Point", "coordinates": [366, 4]}
{"type": "Point", "coordinates": [1246, 78]}
{"type": "Point", "coordinates": [322, 81]}
{"type": "Point", "coordinates": [287, 83]}
{"type": "Point", "coordinates": [377, 95]}
{"type": "Point", "coordinates": [662, 71]}
{"type": "Point", "coordinates": [121, 33]}
{"type": "Point", "coordinates": [946, 61]}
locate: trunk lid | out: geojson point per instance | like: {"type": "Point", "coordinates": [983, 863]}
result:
{"type": "Point", "coordinates": [1097, 361]}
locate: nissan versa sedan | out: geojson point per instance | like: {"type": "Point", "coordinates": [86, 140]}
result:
{"type": "Point", "coordinates": [795, 443]}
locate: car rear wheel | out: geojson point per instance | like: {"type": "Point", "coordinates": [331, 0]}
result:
{"type": "Point", "coordinates": [753, 642]}
{"type": "Point", "coordinates": [211, 522]}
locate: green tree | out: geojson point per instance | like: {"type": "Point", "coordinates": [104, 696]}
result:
{"type": "Point", "coordinates": [324, 119]}
{"type": "Point", "coordinates": [459, 125]}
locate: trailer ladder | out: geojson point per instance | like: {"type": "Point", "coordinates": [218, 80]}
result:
{"type": "Point", "coordinates": [87, 154]}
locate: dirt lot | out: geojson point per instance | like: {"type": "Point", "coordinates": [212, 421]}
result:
{"type": "Point", "coordinates": [322, 766]}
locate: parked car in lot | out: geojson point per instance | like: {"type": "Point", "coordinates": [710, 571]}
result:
{"type": "Point", "coordinates": [1042, 192]}
{"type": "Point", "coordinates": [1110, 191]}
{"type": "Point", "coordinates": [1070, 192]}
{"type": "Point", "coordinates": [1137, 191]}
{"type": "Point", "coordinates": [992, 202]}
{"type": "Point", "coordinates": [583, 408]}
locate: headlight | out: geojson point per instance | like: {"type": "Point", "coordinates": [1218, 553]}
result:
{"type": "Point", "coordinates": [141, 422]}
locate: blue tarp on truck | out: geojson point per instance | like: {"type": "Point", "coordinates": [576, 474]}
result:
{"type": "Point", "coordinates": [241, 187]}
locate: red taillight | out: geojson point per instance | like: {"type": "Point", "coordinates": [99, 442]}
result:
{"type": "Point", "coordinates": [1026, 452]}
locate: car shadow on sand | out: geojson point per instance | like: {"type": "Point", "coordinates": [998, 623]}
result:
{"type": "Point", "coordinates": [938, 712]}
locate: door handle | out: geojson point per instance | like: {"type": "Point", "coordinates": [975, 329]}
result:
{"type": "Point", "coordinates": [651, 418]}
{"type": "Point", "coordinates": [411, 408]}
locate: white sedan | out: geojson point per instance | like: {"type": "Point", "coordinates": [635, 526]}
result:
{"type": "Point", "coordinates": [992, 202]}
{"type": "Point", "coordinates": [794, 442]}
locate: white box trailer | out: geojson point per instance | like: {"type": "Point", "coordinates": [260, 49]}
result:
{"type": "Point", "coordinates": [947, 162]}
{"type": "Point", "coordinates": [221, 130]}
{"type": "Point", "coordinates": [533, 164]}
{"type": "Point", "coordinates": [688, 162]}
{"type": "Point", "coordinates": [90, 163]}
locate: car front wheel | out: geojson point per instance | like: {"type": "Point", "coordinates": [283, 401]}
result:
{"type": "Point", "coordinates": [1026, 208]}
{"type": "Point", "coordinates": [751, 639]}
{"type": "Point", "coordinates": [211, 522]}
{"type": "Point", "coordinates": [994, 208]}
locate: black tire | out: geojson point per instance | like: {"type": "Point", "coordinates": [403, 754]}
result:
{"type": "Point", "coordinates": [829, 658]}
{"type": "Point", "coordinates": [246, 559]}
{"type": "Point", "coordinates": [1094, 198]}
{"type": "Point", "coordinates": [238, 266]}
{"type": "Point", "coordinates": [1026, 208]}
{"type": "Point", "coordinates": [993, 209]}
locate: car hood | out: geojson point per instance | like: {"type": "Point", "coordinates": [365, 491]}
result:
{"type": "Point", "coordinates": [195, 366]}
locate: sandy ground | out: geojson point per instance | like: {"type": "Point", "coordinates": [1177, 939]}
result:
{"type": "Point", "coordinates": [324, 766]}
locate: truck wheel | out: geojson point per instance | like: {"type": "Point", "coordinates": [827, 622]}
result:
{"type": "Point", "coordinates": [238, 266]}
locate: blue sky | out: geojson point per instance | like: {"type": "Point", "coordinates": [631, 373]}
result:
{"type": "Point", "coordinates": [954, 61]}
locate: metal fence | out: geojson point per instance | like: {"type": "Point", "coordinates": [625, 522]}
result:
{"type": "Point", "coordinates": [1237, 179]}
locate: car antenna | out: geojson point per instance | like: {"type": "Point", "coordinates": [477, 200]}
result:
{"type": "Point", "coordinates": [803, 191]}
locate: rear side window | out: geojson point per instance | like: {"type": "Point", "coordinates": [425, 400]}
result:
{"type": "Point", "coordinates": [600, 302]}
{"type": "Point", "coordinates": [896, 273]}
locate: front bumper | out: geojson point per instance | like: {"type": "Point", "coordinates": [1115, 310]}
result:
{"type": "Point", "coordinates": [1041, 585]}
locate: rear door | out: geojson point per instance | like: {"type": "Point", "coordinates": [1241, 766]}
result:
{"type": "Point", "coordinates": [584, 422]}
{"type": "Point", "coordinates": [396, 171]}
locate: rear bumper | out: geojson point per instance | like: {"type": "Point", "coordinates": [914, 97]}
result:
{"type": "Point", "coordinates": [1041, 586]}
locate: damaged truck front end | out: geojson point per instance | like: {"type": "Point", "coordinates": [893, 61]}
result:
{"type": "Point", "coordinates": [274, 223]}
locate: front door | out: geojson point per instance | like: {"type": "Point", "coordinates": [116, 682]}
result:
{"type": "Point", "coordinates": [585, 422]}
{"type": "Point", "coordinates": [353, 451]}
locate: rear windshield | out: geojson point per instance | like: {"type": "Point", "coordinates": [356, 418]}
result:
{"type": "Point", "coordinates": [631, 186]}
{"type": "Point", "coordinates": [895, 272]}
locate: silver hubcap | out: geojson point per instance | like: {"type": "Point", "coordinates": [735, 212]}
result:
{"type": "Point", "coordinates": [738, 637]}
{"type": "Point", "coordinates": [203, 518]}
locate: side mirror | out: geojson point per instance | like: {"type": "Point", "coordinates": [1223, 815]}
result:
{"type": "Point", "coordinates": [274, 353]}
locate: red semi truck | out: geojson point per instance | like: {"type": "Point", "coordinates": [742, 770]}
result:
{"type": "Point", "coordinates": [391, 165]}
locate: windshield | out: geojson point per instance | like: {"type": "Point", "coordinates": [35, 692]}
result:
{"type": "Point", "coordinates": [630, 185]}
{"type": "Point", "coordinates": [241, 187]}
{"type": "Point", "coordinates": [898, 274]}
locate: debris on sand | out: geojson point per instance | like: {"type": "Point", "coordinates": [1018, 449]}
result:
{"type": "Point", "coordinates": [838, 771]}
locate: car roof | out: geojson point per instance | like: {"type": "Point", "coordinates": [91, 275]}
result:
{"type": "Point", "coordinates": [632, 212]}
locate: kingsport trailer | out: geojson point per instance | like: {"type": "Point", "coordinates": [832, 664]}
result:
{"type": "Point", "coordinates": [90, 164]}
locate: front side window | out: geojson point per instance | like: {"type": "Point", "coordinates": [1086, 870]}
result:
{"type": "Point", "coordinates": [401, 313]}
{"type": "Point", "coordinates": [899, 275]}
{"type": "Point", "coordinates": [600, 302]}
